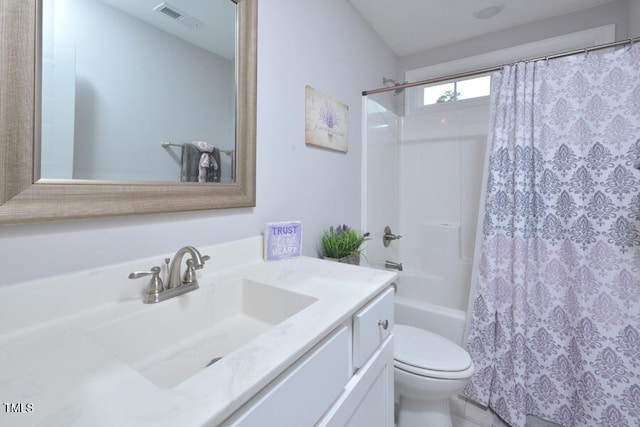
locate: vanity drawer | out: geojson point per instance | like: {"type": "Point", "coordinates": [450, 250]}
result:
{"type": "Point", "coordinates": [303, 393]}
{"type": "Point", "coordinates": [371, 326]}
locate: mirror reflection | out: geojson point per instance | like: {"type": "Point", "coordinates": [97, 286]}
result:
{"type": "Point", "coordinates": [138, 90]}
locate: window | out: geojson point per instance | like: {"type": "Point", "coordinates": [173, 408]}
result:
{"type": "Point", "coordinates": [415, 99]}
{"type": "Point", "coordinates": [457, 90]}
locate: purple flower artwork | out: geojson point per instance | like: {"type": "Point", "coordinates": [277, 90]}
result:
{"type": "Point", "coordinates": [328, 116]}
{"type": "Point", "coordinates": [326, 121]}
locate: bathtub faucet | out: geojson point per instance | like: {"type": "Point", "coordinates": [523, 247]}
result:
{"type": "Point", "coordinates": [393, 265]}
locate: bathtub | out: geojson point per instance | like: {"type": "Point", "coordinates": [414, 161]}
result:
{"type": "Point", "coordinates": [421, 302]}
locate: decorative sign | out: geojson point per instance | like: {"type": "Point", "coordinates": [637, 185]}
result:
{"type": "Point", "coordinates": [327, 121]}
{"type": "Point", "coordinates": [282, 240]}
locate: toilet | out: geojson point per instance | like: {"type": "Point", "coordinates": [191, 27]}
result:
{"type": "Point", "coordinates": [428, 370]}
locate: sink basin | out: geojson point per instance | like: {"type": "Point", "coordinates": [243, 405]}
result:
{"type": "Point", "coordinates": [171, 341]}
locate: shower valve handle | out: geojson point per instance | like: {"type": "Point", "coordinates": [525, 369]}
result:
{"type": "Point", "coordinates": [389, 236]}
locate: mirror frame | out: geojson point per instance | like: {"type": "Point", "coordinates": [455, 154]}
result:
{"type": "Point", "coordinates": [26, 199]}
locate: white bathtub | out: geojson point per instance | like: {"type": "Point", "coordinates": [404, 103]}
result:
{"type": "Point", "coordinates": [422, 303]}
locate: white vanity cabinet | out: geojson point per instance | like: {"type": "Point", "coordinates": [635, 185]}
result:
{"type": "Point", "coordinates": [367, 400]}
{"type": "Point", "coordinates": [303, 341]}
{"type": "Point", "coordinates": [345, 380]}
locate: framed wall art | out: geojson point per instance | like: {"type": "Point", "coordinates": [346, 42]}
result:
{"type": "Point", "coordinates": [327, 121]}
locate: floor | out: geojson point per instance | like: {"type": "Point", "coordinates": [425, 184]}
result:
{"type": "Point", "coordinates": [465, 413]}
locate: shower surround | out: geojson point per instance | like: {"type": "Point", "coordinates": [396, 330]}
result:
{"type": "Point", "coordinates": [423, 179]}
{"type": "Point", "coordinates": [424, 175]}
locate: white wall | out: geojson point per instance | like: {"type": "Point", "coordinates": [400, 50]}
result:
{"type": "Point", "coordinates": [634, 18]}
{"type": "Point", "coordinates": [321, 43]}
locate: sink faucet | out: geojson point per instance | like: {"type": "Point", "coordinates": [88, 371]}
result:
{"type": "Point", "coordinates": [177, 284]}
{"type": "Point", "coordinates": [195, 263]}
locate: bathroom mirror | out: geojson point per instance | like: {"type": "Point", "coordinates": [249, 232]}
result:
{"type": "Point", "coordinates": [27, 197]}
{"type": "Point", "coordinates": [120, 108]}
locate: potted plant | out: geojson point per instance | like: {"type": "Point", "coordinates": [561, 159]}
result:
{"type": "Point", "coordinates": [343, 244]}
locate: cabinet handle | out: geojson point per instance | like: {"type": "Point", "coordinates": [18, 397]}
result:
{"type": "Point", "coordinates": [383, 323]}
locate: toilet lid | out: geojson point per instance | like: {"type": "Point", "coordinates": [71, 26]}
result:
{"type": "Point", "coordinates": [426, 350]}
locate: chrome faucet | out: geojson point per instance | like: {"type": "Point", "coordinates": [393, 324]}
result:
{"type": "Point", "coordinates": [177, 284]}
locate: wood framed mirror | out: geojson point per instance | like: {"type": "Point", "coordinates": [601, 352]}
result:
{"type": "Point", "coordinates": [26, 198]}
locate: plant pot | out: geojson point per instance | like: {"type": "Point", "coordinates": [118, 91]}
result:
{"type": "Point", "coordinates": [349, 259]}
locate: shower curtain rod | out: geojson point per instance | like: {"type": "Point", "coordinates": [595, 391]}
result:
{"type": "Point", "coordinates": [498, 67]}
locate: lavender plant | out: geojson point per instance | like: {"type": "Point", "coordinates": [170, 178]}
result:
{"type": "Point", "coordinates": [342, 241]}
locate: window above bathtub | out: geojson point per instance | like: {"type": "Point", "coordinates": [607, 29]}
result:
{"type": "Point", "coordinates": [443, 93]}
{"type": "Point", "coordinates": [456, 90]}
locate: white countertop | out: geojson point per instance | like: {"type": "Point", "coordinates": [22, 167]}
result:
{"type": "Point", "coordinates": [63, 378]}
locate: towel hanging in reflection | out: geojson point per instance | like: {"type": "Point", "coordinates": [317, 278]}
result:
{"type": "Point", "coordinates": [200, 162]}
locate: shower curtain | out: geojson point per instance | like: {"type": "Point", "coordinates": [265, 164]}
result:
{"type": "Point", "coordinates": [555, 305]}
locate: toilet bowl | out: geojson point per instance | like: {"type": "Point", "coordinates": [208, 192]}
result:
{"type": "Point", "coordinates": [428, 370]}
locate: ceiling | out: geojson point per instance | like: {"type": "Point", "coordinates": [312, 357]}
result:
{"type": "Point", "coordinates": [410, 26]}
{"type": "Point", "coordinates": [217, 20]}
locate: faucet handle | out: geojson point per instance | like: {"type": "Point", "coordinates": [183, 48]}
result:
{"type": "Point", "coordinates": [189, 276]}
{"type": "Point", "coordinates": [388, 236]}
{"type": "Point", "coordinates": [139, 274]}
{"type": "Point", "coordinates": [190, 273]}
{"type": "Point", "coordinates": [155, 283]}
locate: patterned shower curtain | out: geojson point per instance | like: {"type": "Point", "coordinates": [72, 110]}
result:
{"type": "Point", "coordinates": [555, 306]}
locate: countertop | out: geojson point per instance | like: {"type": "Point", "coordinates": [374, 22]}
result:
{"type": "Point", "coordinates": [54, 374]}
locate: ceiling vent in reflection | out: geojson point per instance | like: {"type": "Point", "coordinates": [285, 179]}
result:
{"type": "Point", "coordinates": [177, 15]}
